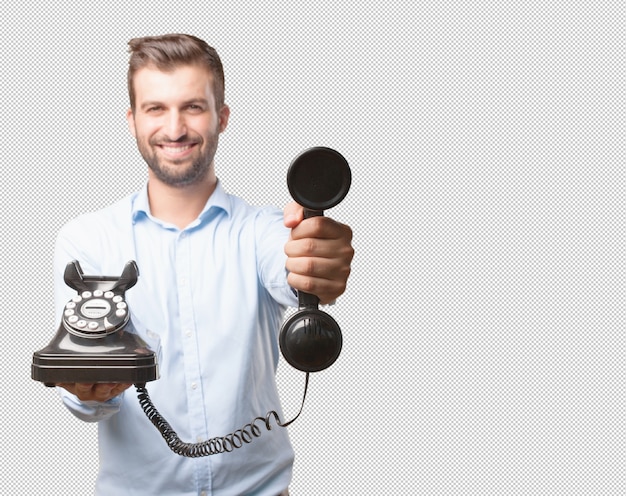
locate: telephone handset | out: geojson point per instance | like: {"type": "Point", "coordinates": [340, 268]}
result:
{"type": "Point", "coordinates": [97, 340]}
{"type": "Point", "coordinates": [318, 179]}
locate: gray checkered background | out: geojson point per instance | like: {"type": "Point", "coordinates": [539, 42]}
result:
{"type": "Point", "coordinates": [483, 324]}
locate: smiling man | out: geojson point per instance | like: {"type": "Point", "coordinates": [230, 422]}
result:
{"type": "Point", "coordinates": [216, 276]}
{"type": "Point", "coordinates": [176, 120]}
{"type": "Point", "coordinates": [178, 123]}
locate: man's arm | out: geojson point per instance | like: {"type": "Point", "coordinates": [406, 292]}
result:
{"type": "Point", "coordinates": [91, 410]}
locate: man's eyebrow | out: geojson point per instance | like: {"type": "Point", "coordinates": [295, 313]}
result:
{"type": "Point", "coordinates": [147, 104]}
{"type": "Point", "coordinates": [203, 101]}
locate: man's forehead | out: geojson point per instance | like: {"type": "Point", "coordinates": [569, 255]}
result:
{"type": "Point", "coordinates": [195, 71]}
{"type": "Point", "coordinates": [151, 80]}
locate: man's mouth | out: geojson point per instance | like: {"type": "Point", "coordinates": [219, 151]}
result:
{"type": "Point", "coordinates": [175, 149]}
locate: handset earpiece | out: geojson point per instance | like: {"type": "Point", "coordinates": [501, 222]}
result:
{"type": "Point", "coordinates": [318, 179]}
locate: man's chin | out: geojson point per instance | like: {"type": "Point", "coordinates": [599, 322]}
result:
{"type": "Point", "coordinates": [177, 177]}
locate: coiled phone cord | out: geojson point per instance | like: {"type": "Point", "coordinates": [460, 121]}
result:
{"type": "Point", "coordinates": [219, 444]}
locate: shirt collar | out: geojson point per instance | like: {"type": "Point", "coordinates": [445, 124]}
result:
{"type": "Point", "coordinates": [219, 200]}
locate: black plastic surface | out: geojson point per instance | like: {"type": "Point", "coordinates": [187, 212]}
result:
{"type": "Point", "coordinates": [108, 351]}
{"type": "Point", "coordinates": [310, 340]}
{"type": "Point", "coordinates": [121, 357]}
{"type": "Point", "coordinates": [319, 178]}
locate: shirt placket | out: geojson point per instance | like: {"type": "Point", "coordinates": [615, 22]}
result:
{"type": "Point", "coordinates": [188, 329]}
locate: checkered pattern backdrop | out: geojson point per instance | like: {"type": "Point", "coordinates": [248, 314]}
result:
{"type": "Point", "coordinates": [483, 323]}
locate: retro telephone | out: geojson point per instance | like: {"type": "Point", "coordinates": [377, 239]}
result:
{"type": "Point", "coordinates": [97, 340]}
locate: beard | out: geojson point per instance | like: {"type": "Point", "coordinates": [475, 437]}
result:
{"type": "Point", "coordinates": [183, 172]}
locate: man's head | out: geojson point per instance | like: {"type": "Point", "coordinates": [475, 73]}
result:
{"type": "Point", "coordinates": [176, 86]}
{"type": "Point", "coordinates": [169, 51]}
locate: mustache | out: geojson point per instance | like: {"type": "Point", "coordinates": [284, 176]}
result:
{"type": "Point", "coordinates": [185, 138]}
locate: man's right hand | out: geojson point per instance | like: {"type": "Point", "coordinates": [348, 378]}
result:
{"type": "Point", "coordinates": [95, 392]}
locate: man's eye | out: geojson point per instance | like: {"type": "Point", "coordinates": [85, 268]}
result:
{"type": "Point", "coordinates": [192, 107]}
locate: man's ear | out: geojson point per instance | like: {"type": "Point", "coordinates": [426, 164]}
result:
{"type": "Point", "coordinates": [224, 115]}
{"type": "Point", "coordinates": [130, 118]}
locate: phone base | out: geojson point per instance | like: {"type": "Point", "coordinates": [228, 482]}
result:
{"type": "Point", "coordinates": [110, 368]}
{"type": "Point", "coordinates": [122, 357]}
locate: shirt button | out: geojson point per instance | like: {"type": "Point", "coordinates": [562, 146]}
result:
{"type": "Point", "coordinates": [194, 385]}
{"type": "Point", "coordinates": [188, 333]}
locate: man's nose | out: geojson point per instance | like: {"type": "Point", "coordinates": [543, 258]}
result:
{"type": "Point", "coordinates": [175, 127]}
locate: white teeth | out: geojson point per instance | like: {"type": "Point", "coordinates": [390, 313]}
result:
{"type": "Point", "coordinates": [176, 149]}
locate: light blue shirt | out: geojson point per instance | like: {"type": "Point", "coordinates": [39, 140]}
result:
{"type": "Point", "coordinates": [212, 297]}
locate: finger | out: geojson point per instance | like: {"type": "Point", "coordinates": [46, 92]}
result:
{"type": "Point", "coordinates": [106, 391]}
{"type": "Point", "coordinates": [326, 290]}
{"type": "Point", "coordinates": [323, 268]}
{"type": "Point", "coordinates": [103, 392]}
{"type": "Point", "coordinates": [120, 388]}
{"type": "Point", "coordinates": [292, 215]}
{"type": "Point", "coordinates": [83, 391]}
{"type": "Point", "coordinates": [320, 248]}
{"type": "Point", "coordinates": [95, 392]}
{"type": "Point", "coordinates": [82, 388]}
{"type": "Point", "coordinates": [325, 278]}
{"type": "Point", "coordinates": [322, 228]}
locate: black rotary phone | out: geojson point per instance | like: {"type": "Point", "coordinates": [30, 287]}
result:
{"type": "Point", "coordinates": [97, 340]}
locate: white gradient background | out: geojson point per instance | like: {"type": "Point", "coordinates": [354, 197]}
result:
{"type": "Point", "coordinates": [484, 349]}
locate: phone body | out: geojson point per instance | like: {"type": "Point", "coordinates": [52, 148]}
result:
{"type": "Point", "coordinates": [96, 341]}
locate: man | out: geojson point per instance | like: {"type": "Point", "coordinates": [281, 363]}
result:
{"type": "Point", "coordinates": [215, 278]}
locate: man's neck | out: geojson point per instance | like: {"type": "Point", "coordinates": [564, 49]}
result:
{"type": "Point", "coordinates": [179, 205]}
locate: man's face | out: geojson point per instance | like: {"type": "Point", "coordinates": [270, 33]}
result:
{"type": "Point", "coordinates": [176, 123]}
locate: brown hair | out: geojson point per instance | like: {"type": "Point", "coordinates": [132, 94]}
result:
{"type": "Point", "coordinates": [168, 51]}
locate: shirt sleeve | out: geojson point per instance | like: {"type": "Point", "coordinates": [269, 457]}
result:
{"type": "Point", "coordinates": [271, 236]}
{"type": "Point", "coordinates": [90, 411]}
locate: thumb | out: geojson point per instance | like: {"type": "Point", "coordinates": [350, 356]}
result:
{"type": "Point", "coordinates": [293, 215]}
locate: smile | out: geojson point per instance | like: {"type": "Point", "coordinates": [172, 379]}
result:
{"type": "Point", "coordinates": [176, 149]}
